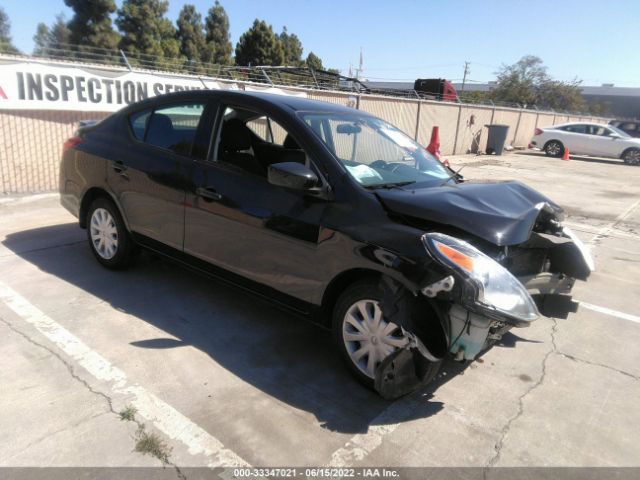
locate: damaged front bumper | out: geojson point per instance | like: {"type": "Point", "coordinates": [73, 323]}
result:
{"type": "Point", "coordinates": [473, 325]}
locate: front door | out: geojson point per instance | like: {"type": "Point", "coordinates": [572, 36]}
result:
{"type": "Point", "coordinates": [603, 144]}
{"type": "Point", "coordinates": [238, 221]}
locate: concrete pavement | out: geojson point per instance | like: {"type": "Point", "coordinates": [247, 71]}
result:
{"type": "Point", "coordinates": [217, 376]}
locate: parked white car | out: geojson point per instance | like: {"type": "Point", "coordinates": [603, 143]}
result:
{"type": "Point", "coordinates": [587, 139]}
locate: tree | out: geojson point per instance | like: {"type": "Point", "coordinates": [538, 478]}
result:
{"type": "Point", "coordinates": [599, 108]}
{"type": "Point", "coordinates": [49, 41]}
{"type": "Point", "coordinates": [528, 83]}
{"type": "Point", "coordinates": [218, 45]}
{"type": "Point", "coordinates": [473, 96]}
{"type": "Point", "coordinates": [41, 39]}
{"type": "Point", "coordinates": [518, 83]}
{"type": "Point", "coordinates": [565, 96]}
{"type": "Point", "coordinates": [191, 33]}
{"type": "Point", "coordinates": [259, 46]}
{"type": "Point", "coordinates": [313, 61]}
{"type": "Point", "coordinates": [146, 31]}
{"type": "Point", "coordinates": [6, 45]}
{"type": "Point", "coordinates": [292, 48]}
{"type": "Point", "coordinates": [91, 27]}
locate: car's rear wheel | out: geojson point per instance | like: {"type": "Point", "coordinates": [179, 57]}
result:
{"type": "Point", "coordinates": [554, 148]}
{"type": "Point", "coordinates": [108, 237]}
{"type": "Point", "coordinates": [632, 156]}
{"type": "Point", "coordinates": [363, 335]}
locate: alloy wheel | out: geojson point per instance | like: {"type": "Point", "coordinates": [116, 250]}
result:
{"type": "Point", "coordinates": [632, 157]}
{"type": "Point", "coordinates": [368, 337]}
{"type": "Point", "coordinates": [553, 149]}
{"type": "Point", "coordinates": [104, 233]}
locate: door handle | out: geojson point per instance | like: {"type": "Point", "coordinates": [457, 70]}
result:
{"type": "Point", "coordinates": [209, 194]}
{"type": "Point", "coordinates": [120, 168]}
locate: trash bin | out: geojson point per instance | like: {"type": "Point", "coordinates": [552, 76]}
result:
{"type": "Point", "coordinates": [496, 138]}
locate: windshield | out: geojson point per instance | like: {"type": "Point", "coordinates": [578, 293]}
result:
{"type": "Point", "coordinates": [375, 153]}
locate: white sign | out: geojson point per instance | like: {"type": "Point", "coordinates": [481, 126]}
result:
{"type": "Point", "coordinates": [48, 86]}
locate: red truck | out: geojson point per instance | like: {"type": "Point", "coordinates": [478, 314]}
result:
{"type": "Point", "coordinates": [436, 89]}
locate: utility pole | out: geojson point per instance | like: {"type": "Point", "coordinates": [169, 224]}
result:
{"type": "Point", "coordinates": [464, 77]}
{"type": "Point", "coordinates": [360, 68]}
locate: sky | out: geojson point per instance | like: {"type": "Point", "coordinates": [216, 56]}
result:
{"type": "Point", "coordinates": [595, 41]}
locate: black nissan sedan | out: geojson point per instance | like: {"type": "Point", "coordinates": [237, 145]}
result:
{"type": "Point", "coordinates": [329, 212]}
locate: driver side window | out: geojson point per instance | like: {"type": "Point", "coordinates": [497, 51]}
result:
{"type": "Point", "coordinates": [251, 142]}
{"type": "Point", "coordinates": [268, 130]}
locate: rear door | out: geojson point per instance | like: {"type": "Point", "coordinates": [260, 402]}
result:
{"type": "Point", "coordinates": [576, 139]}
{"type": "Point", "coordinates": [238, 221]}
{"type": "Point", "coordinates": [150, 170]}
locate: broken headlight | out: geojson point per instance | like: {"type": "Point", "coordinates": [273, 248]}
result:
{"type": "Point", "coordinates": [490, 285]}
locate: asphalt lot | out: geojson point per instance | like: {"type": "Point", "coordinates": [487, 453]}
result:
{"type": "Point", "coordinates": [221, 378]}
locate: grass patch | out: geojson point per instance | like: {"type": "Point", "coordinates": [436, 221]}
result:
{"type": "Point", "coordinates": [128, 413]}
{"type": "Point", "coordinates": [151, 444]}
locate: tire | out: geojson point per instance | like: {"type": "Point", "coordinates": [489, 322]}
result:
{"type": "Point", "coordinates": [631, 156]}
{"type": "Point", "coordinates": [554, 148]}
{"type": "Point", "coordinates": [366, 295]}
{"type": "Point", "coordinates": [107, 234]}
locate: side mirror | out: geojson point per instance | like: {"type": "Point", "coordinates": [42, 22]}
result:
{"type": "Point", "coordinates": [293, 175]}
{"type": "Point", "coordinates": [614, 135]}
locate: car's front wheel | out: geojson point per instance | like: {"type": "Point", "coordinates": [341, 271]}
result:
{"type": "Point", "coordinates": [632, 156]}
{"type": "Point", "coordinates": [362, 333]}
{"type": "Point", "coordinates": [108, 237]}
{"type": "Point", "coordinates": [554, 148]}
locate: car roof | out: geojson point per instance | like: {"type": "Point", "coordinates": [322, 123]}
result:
{"type": "Point", "coordinates": [579, 123]}
{"type": "Point", "coordinates": [285, 102]}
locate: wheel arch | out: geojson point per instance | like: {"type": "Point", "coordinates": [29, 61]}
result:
{"type": "Point", "coordinates": [627, 150]}
{"type": "Point", "coordinates": [87, 199]}
{"type": "Point", "coordinates": [343, 280]}
{"type": "Point", "coordinates": [339, 283]}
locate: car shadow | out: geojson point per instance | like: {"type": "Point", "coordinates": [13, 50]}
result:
{"type": "Point", "coordinates": [510, 340]}
{"type": "Point", "coordinates": [579, 158]}
{"type": "Point", "coordinates": [286, 357]}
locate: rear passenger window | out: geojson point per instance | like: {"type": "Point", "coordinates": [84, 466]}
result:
{"type": "Point", "coordinates": [172, 127]}
{"type": "Point", "coordinates": [576, 128]}
{"type": "Point", "coordinates": [138, 122]}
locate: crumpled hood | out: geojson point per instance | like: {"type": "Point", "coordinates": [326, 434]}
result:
{"type": "Point", "coordinates": [501, 213]}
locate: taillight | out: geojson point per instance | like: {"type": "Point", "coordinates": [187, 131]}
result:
{"type": "Point", "coordinates": [537, 132]}
{"type": "Point", "coordinates": [70, 143]}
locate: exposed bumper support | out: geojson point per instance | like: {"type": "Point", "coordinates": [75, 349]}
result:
{"type": "Point", "coordinates": [547, 283]}
{"type": "Point", "coordinates": [556, 306]}
{"type": "Point", "coordinates": [404, 370]}
{"type": "Point", "coordinates": [551, 293]}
